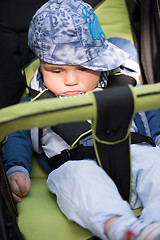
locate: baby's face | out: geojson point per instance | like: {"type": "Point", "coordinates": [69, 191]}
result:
{"type": "Point", "coordinates": [66, 80]}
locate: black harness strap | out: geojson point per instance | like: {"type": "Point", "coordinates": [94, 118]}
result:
{"type": "Point", "coordinates": [79, 153]}
{"type": "Point", "coordinates": [45, 94]}
{"type": "Point", "coordinates": [139, 138]}
{"type": "Point", "coordinates": [120, 80]}
{"type": "Point", "coordinates": [83, 152]}
{"type": "Point", "coordinates": [74, 130]}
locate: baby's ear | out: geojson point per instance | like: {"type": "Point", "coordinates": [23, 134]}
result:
{"type": "Point", "coordinates": [120, 80]}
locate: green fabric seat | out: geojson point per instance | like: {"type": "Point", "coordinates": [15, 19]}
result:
{"type": "Point", "coordinates": [39, 216]}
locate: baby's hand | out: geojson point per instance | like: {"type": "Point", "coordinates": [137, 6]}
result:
{"type": "Point", "coordinates": [20, 186]}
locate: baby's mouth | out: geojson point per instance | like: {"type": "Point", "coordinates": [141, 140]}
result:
{"type": "Point", "coordinates": [72, 93]}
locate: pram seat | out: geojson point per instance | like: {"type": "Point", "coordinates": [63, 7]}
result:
{"type": "Point", "coordinates": [39, 216]}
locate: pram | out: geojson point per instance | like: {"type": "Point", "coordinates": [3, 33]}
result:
{"type": "Point", "coordinates": [38, 215]}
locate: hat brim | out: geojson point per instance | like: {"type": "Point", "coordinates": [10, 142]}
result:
{"type": "Point", "coordinates": [111, 58]}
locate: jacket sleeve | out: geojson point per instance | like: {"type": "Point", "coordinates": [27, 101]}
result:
{"type": "Point", "coordinates": [18, 151]}
{"type": "Point", "coordinates": [153, 118]}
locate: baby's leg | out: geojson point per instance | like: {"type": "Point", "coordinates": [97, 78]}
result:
{"type": "Point", "coordinates": [87, 195]}
{"type": "Point", "coordinates": [146, 176]}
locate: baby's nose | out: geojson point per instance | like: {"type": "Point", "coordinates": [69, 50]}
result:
{"type": "Point", "coordinates": [71, 79]}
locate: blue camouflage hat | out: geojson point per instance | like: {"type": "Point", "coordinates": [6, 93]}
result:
{"type": "Point", "coordinates": [67, 32]}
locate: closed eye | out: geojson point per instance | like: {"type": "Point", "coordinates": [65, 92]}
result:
{"type": "Point", "coordinates": [56, 71]}
{"type": "Point", "coordinates": [83, 69]}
